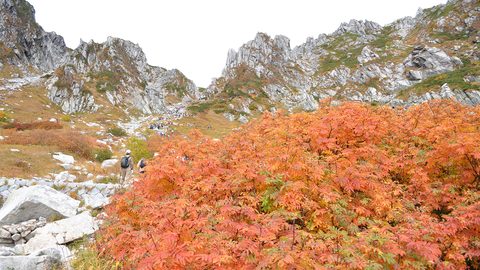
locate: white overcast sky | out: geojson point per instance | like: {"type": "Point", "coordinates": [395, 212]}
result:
{"type": "Point", "coordinates": [194, 35]}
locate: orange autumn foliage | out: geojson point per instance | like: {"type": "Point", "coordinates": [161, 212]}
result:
{"type": "Point", "coordinates": [347, 187]}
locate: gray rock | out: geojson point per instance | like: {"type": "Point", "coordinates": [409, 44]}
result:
{"type": "Point", "coordinates": [34, 202]}
{"type": "Point", "coordinates": [62, 232]}
{"type": "Point", "coordinates": [66, 166]}
{"type": "Point", "coordinates": [95, 201]}
{"type": "Point", "coordinates": [65, 177]}
{"type": "Point", "coordinates": [5, 234]}
{"type": "Point", "coordinates": [16, 237]}
{"type": "Point", "coordinates": [431, 60]}
{"type": "Point", "coordinates": [60, 253]}
{"type": "Point", "coordinates": [366, 55]}
{"type": "Point", "coordinates": [243, 119]}
{"type": "Point", "coordinates": [28, 262]}
{"type": "Point", "coordinates": [109, 163]}
{"type": "Point", "coordinates": [230, 117]}
{"type": "Point", "coordinates": [415, 75]}
{"type": "Point", "coordinates": [7, 251]}
{"type": "Point", "coordinates": [64, 159]}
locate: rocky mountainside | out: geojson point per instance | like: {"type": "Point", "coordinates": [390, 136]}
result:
{"type": "Point", "coordinates": [24, 43]}
{"type": "Point", "coordinates": [433, 55]}
{"type": "Point", "coordinates": [118, 71]}
{"type": "Point", "coordinates": [92, 76]}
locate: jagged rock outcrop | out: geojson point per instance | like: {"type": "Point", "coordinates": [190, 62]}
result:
{"type": "Point", "coordinates": [362, 28]}
{"type": "Point", "coordinates": [24, 43]}
{"type": "Point", "coordinates": [361, 61]}
{"type": "Point", "coordinates": [367, 55]}
{"type": "Point", "coordinates": [118, 70]}
{"type": "Point", "coordinates": [430, 61]}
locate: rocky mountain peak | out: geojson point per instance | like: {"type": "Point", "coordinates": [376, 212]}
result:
{"type": "Point", "coordinates": [118, 71]}
{"type": "Point", "coordinates": [20, 11]}
{"type": "Point", "coordinates": [359, 27]}
{"type": "Point", "coordinates": [258, 53]}
{"type": "Point", "coordinates": [24, 41]}
{"type": "Point", "coordinates": [111, 54]}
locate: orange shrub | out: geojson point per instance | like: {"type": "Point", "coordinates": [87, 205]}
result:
{"type": "Point", "coordinates": [348, 187]}
{"type": "Point", "coordinates": [68, 141]}
{"type": "Point", "coordinates": [46, 125]}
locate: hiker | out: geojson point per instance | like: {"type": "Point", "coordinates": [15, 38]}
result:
{"type": "Point", "coordinates": [141, 165]}
{"type": "Point", "coordinates": [126, 166]}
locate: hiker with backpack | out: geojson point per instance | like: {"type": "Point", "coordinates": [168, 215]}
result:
{"type": "Point", "coordinates": [126, 167]}
{"type": "Point", "coordinates": [141, 165]}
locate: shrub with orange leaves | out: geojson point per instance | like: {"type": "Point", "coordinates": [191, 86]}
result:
{"type": "Point", "coordinates": [66, 140]}
{"type": "Point", "coordinates": [46, 125]}
{"type": "Point", "coordinates": [347, 187]}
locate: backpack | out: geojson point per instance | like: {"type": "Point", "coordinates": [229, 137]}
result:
{"type": "Point", "coordinates": [125, 162]}
{"type": "Point", "coordinates": [142, 164]}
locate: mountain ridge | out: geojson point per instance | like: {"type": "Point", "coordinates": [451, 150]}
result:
{"type": "Point", "coordinates": [361, 61]}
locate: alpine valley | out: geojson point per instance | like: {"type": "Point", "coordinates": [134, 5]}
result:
{"type": "Point", "coordinates": [357, 149]}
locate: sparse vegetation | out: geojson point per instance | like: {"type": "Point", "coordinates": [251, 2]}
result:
{"type": "Point", "coordinates": [32, 160]}
{"type": "Point", "coordinates": [117, 132]}
{"type": "Point", "coordinates": [340, 53]}
{"type": "Point", "coordinates": [62, 81]}
{"type": "Point", "coordinates": [103, 154]}
{"type": "Point", "coordinates": [87, 258]}
{"type": "Point", "coordinates": [106, 80]}
{"type": "Point", "coordinates": [439, 11]}
{"type": "Point", "coordinates": [4, 117]}
{"type": "Point", "coordinates": [384, 39]}
{"type": "Point", "coordinates": [66, 118]}
{"type": "Point", "coordinates": [5, 52]}
{"type": "Point", "coordinates": [108, 179]}
{"type": "Point", "coordinates": [449, 36]}
{"type": "Point", "coordinates": [180, 90]}
{"type": "Point", "coordinates": [139, 148]}
{"type": "Point", "coordinates": [217, 106]}
{"type": "Point", "coordinates": [454, 79]}
{"type": "Point", "coordinates": [68, 141]}
{"type": "Point", "coordinates": [45, 125]}
{"type": "Point", "coordinates": [345, 58]}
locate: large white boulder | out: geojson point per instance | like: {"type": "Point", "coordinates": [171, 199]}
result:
{"type": "Point", "coordinates": [61, 232]}
{"type": "Point", "coordinates": [64, 159]}
{"type": "Point", "coordinates": [37, 201]}
{"type": "Point", "coordinates": [109, 163]}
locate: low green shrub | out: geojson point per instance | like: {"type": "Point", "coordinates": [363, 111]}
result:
{"type": "Point", "coordinates": [117, 132]}
{"type": "Point", "coordinates": [139, 148]}
{"type": "Point", "coordinates": [103, 154]}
